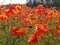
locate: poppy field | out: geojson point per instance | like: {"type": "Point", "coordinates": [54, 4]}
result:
{"type": "Point", "coordinates": [23, 25]}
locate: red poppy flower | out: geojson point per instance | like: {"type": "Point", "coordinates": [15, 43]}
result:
{"type": "Point", "coordinates": [46, 10]}
{"type": "Point", "coordinates": [37, 33]}
{"type": "Point", "coordinates": [57, 32]}
{"type": "Point", "coordinates": [8, 14]}
{"type": "Point", "coordinates": [40, 7]}
{"type": "Point", "coordinates": [32, 39]}
{"type": "Point", "coordinates": [14, 30]}
{"type": "Point", "coordinates": [58, 26]}
{"type": "Point", "coordinates": [11, 6]}
{"type": "Point", "coordinates": [3, 17]}
{"type": "Point", "coordinates": [22, 31]}
{"type": "Point", "coordinates": [40, 27]}
{"type": "Point", "coordinates": [26, 20]}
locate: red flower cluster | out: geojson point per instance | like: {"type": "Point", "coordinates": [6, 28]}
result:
{"type": "Point", "coordinates": [16, 31]}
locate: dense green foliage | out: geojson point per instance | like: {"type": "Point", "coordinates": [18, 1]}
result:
{"type": "Point", "coordinates": [48, 3]}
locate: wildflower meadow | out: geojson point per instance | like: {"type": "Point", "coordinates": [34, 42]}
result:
{"type": "Point", "coordinates": [23, 25]}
